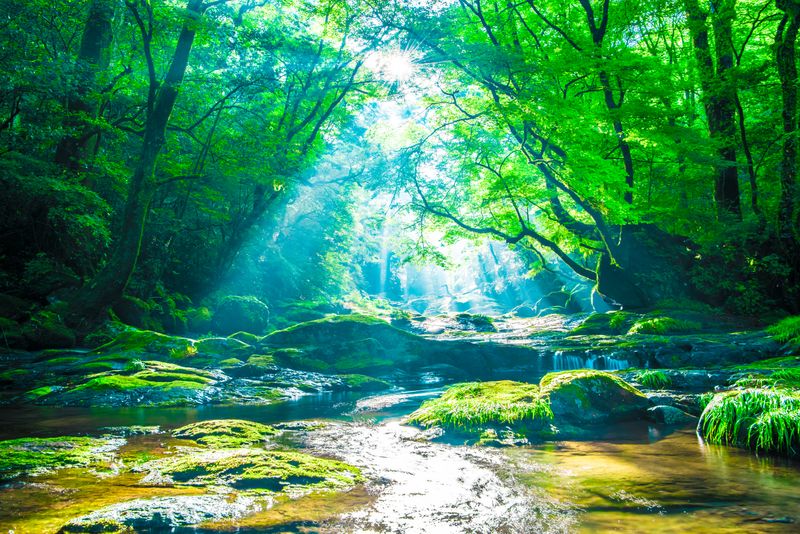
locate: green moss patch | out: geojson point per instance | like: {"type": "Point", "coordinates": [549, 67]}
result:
{"type": "Point", "coordinates": [364, 383]}
{"type": "Point", "coordinates": [225, 433]}
{"type": "Point", "coordinates": [663, 326]}
{"type": "Point", "coordinates": [36, 455]}
{"type": "Point", "coordinates": [473, 405]}
{"type": "Point", "coordinates": [252, 469]}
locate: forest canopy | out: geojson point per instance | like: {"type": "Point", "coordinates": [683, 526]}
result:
{"type": "Point", "coordinates": [648, 148]}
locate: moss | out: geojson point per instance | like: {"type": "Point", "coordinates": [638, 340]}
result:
{"type": "Point", "coordinates": [552, 381]}
{"type": "Point", "coordinates": [64, 360]}
{"type": "Point", "coordinates": [40, 392]}
{"type": "Point", "coordinates": [246, 337]}
{"type": "Point", "coordinates": [144, 341]}
{"type": "Point", "coordinates": [663, 326]}
{"type": "Point", "coordinates": [654, 379]}
{"type": "Point", "coordinates": [225, 433]}
{"type": "Point", "coordinates": [165, 376]}
{"type": "Point", "coordinates": [98, 525]}
{"type": "Point", "coordinates": [605, 323]}
{"type": "Point", "coordinates": [254, 469]}
{"type": "Point", "coordinates": [231, 362]}
{"type": "Point", "coordinates": [364, 383]}
{"type": "Point", "coordinates": [13, 374]}
{"type": "Point", "coordinates": [128, 383]}
{"type": "Point", "coordinates": [787, 331]}
{"type": "Point", "coordinates": [46, 330]}
{"type": "Point", "coordinates": [35, 455]}
{"type": "Point", "coordinates": [760, 419]}
{"type": "Point", "coordinates": [261, 360]}
{"type": "Point", "coordinates": [779, 362]}
{"type": "Point", "coordinates": [473, 405]}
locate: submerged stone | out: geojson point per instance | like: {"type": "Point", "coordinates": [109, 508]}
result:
{"type": "Point", "coordinates": [32, 456]}
{"type": "Point", "coordinates": [250, 469]}
{"type": "Point", "coordinates": [161, 514]}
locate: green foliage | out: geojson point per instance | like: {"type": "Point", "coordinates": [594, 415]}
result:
{"type": "Point", "coordinates": [762, 419]}
{"type": "Point", "coordinates": [654, 379]}
{"type": "Point", "coordinates": [787, 331]}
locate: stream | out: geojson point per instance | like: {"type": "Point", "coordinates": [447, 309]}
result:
{"type": "Point", "coordinates": [637, 480]}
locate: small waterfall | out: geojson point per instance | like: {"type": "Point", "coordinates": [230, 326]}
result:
{"type": "Point", "coordinates": [567, 362]}
{"type": "Point", "coordinates": [570, 362]}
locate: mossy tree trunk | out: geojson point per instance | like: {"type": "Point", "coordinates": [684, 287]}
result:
{"type": "Point", "coordinates": [108, 285]}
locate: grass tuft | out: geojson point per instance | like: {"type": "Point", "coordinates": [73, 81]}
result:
{"type": "Point", "coordinates": [654, 379]}
{"type": "Point", "coordinates": [787, 331]}
{"type": "Point", "coordinates": [765, 420]}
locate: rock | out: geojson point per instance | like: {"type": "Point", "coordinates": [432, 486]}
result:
{"type": "Point", "coordinates": [235, 313]}
{"type": "Point", "coordinates": [478, 323]}
{"type": "Point", "coordinates": [32, 456]}
{"type": "Point", "coordinates": [152, 383]}
{"type": "Point", "coordinates": [250, 469]}
{"type": "Point", "coordinates": [166, 513]}
{"type": "Point", "coordinates": [100, 525]}
{"type": "Point", "coordinates": [588, 397]}
{"type": "Point", "coordinates": [225, 433]}
{"type": "Point", "coordinates": [670, 415]}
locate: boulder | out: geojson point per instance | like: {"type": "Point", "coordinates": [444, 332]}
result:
{"type": "Point", "coordinates": [670, 415]}
{"type": "Point", "coordinates": [588, 397]}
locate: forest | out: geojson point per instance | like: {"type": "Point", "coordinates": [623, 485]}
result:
{"type": "Point", "coordinates": [399, 266]}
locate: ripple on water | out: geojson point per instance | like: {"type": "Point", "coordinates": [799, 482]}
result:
{"type": "Point", "coordinates": [429, 487]}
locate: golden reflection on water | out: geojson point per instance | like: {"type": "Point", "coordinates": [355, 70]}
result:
{"type": "Point", "coordinates": [677, 484]}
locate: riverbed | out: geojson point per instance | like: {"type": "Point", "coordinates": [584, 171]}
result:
{"type": "Point", "coordinates": [636, 479]}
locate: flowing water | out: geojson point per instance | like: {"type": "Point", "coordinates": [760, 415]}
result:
{"type": "Point", "coordinates": [638, 480]}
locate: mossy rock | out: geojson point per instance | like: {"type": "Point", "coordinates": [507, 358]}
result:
{"type": "Point", "coordinates": [567, 404]}
{"type": "Point", "coordinates": [474, 407]}
{"type": "Point", "coordinates": [96, 526]}
{"type": "Point", "coordinates": [251, 469]}
{"type": "Point", "coordinates": [46, 330]}
{"type": "Point", "coordinates": [607, 324]}
{"type": "Point", "coordinates": [32, 456]}
{"type": "Point", "coordinates": [364, 383]}
{"type": "Point", "coordinates": [154, 383]}
{"type": "Point", "coordinates": [240, 312]}
{"type": "Point", "coordinates": [345, 344]}
{"type": "Point", "coordinates": [223, 346]}
{"type": "Point", "coordinates": [146, 342]}
{"type": "Point", "coordinates": [588, 397]}
{"type": "Point", "coordinates": [660, 326]}
{"type": "Point", "coordinates": [225, 433]}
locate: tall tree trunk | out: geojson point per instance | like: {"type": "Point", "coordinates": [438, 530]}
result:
{"type": "Point", "coordinates": [787, 70]}
{"type": "Point", "coordinates": [109, 284]}
{"type": "Point", "coordinates": [93, 57]}
{"type": "Point", "coordinates": [718, 97]}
